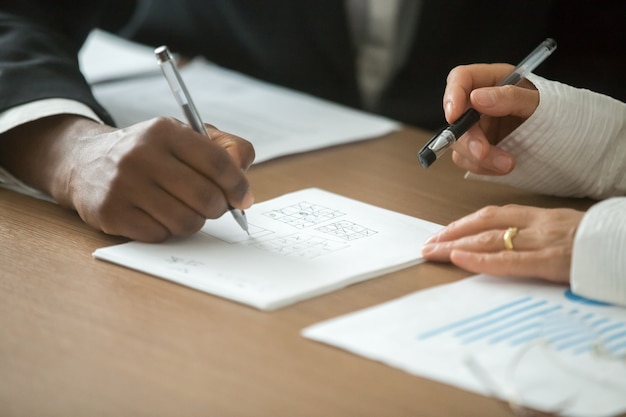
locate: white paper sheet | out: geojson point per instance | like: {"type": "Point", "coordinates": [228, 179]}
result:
{"type": "Point", "coordinates": [278, 121]}
{"type": "Point", "coordinates": [107, 57]}
{"type": "Point", "coordinates": [301, 244]}
{"type": "Point", "coordinates": [488, 322]}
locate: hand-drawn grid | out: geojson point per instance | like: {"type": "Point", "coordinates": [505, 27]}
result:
{"type": "Point", "coordinates": [304, 214]}
{"type": "Point", "coordinates": [236, 236]}
{"type": "Point", "coordinates": [346, 230]}
{"type": "Point", "coordinates": [305, 246]}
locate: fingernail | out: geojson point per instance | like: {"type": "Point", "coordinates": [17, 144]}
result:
{"type": "Point", "coordinates": [502, 163]}
{"type": "Point", "coordinates": [485, 97]}
{"type": "Point", "coordinates": [428, 249]}
{"type": "Point", "coordinates": [432, 239]}
{"type": "Point", "coordinates": [476, 149]}
{"type": "Point", "coordinates": [447, 108]}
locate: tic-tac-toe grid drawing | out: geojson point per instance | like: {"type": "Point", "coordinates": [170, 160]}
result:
{"type": "Point", "coordinates": [301, 245]}
{"type": "Point", "coordinates": [346, 230]}
{"type": "Point", "coordinates": [304, 214]}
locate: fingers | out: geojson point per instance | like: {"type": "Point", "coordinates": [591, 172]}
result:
{"type": "Point", "coordinates": [211, 160]}
{"type": "Point", "coordinates": [239, 149]}
{"type": "Point", "coordinates": [507, 100]}
{"type": "Point", "coordinates": [503, 109]}
{"type": "Point", "coordinates": [474, 153]}
{"type": "Point", "coordinates": [484, 242]}
{"type": "Point", "coordinates": [159, 178]}
{"type": "Point", "coordinates": [542, 246]}
{"type": "Point", "coordinates": [462, 80]}
{"type": "Point", "coordinates": [487, 218]}
{"type": "Point", "coordinates": [550, 263]}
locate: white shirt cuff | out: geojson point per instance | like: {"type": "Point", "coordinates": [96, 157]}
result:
{"type": "Point", "coordinates": [572, 145]}
{"type": "Point", "coordinates": [599, 255]}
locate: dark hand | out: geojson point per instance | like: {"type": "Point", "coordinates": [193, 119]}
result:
{"type": "Point", "coordinates": [152, 180]}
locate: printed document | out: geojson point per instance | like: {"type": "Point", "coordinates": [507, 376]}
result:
{"type": "Point", "coordinates": [529, 342]}
{"type": "Point", "coordinates": [301, 244]}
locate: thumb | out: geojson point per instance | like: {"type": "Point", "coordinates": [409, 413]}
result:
{"type": "Point", "coordinates": [508, 100]}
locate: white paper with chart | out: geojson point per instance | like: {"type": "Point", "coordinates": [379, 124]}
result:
{"type": "Point", "coordinates": [521, 340]}
{"type": "Point", "coordinates": [301, 245]}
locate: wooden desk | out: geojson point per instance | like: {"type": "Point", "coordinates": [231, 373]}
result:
{"type": "Point", "coordinates": [84, 337]}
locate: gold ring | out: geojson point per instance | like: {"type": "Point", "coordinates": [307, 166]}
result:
{"type": "Point", "coordinates": [510, 233]}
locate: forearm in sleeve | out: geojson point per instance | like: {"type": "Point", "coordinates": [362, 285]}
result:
{"type": "Point", "coordinates": [573, 145]}
{"type": "Point", "coordinates": [39, 44]}
{"type": "Point", "coordinates": [599, 255]}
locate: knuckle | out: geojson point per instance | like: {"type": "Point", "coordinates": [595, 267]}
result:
{"type": "Point", "coordinates": [454, 72]}
{"type": "Point", "coordinates": [187, 225]}
{"type": "Point", "coordinates": [488, 212]}
{"type": "Point", "coordinates": [241, 187]}
{"type": "Point", "coordinates": [486, 239]}
{"type": "Point", "coordinates": [249, 152]}
{"type": "Point", "coordinates": [157, 130]}
{"type": "Point", "coordinates": [510, 93]}
{"type": "Point", "coordinates": [511, 207]}
{"type": "Point", "coordinates": [213, 203]}
{"type": "Point", "coordinates": [220, 163]}
{"type": "Point", "coordinates": [107, 212]}
{"type": "Point", "coordinates": [159, 123]}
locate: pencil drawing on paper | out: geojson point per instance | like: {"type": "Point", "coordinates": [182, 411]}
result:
{"type": "Point", "coordinates": [301, 245]}
{"type": "Point", "coordinates": [346, 230]}
{"type": "Point", "coordinates": [304, 214]}
{"type": "Point", "coordinates": [180, 264]}
{"type": "Point", "coordinates": [235, 236]}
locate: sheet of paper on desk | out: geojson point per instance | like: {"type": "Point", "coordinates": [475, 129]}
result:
{"type": "Point", "coordinates": [500, 326]}
{"type": "Point", "coordinates": [301, 244]}
{"type": "Point", "coordinates": [278, 121]}
{"type": "Point", "coordinates": [106, 57]}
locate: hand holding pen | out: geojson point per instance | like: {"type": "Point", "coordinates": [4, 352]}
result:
{"type": "Point", "coordinates": [182, 96]}
{"type": "Point", "coordinates": [459, 83]}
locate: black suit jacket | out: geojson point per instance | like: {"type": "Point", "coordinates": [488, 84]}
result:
{"type": "Point", "coordinates": [306, 45]}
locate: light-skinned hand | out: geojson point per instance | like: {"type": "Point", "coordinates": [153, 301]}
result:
{"type": "Point", "coordinates": [152, 180]}
{"type": "Point", "coordinates": [542, 247]}
{"type": "Point", "coordinates": [503, 108]}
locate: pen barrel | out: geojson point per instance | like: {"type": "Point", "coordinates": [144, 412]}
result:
{"type": "Point", "coordinates": [531, 62]}
{"type": "Point", "coordinates": [512, 79]}
{"type": "Point", "coordinates": [467, 120]}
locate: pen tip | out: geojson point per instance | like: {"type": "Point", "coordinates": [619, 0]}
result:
{"type": "Point", "coordinates": [426, 157]}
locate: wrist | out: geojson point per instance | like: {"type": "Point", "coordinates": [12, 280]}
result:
{"type": "Point", "coordinates": [42, 153]}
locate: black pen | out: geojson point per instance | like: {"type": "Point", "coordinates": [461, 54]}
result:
{"type": "Point", "coordinates": [439, 143]}
{"type": "Point", "coordinates": [168, 66]}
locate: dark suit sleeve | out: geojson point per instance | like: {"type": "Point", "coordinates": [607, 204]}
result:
{"type": "Point", "coordinates": [39, 44]}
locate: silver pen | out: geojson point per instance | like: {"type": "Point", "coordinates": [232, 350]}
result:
{"type": "Point", "coordinates": [439, 143]}
{"type": "Point", "coordinates": [168, 66]}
